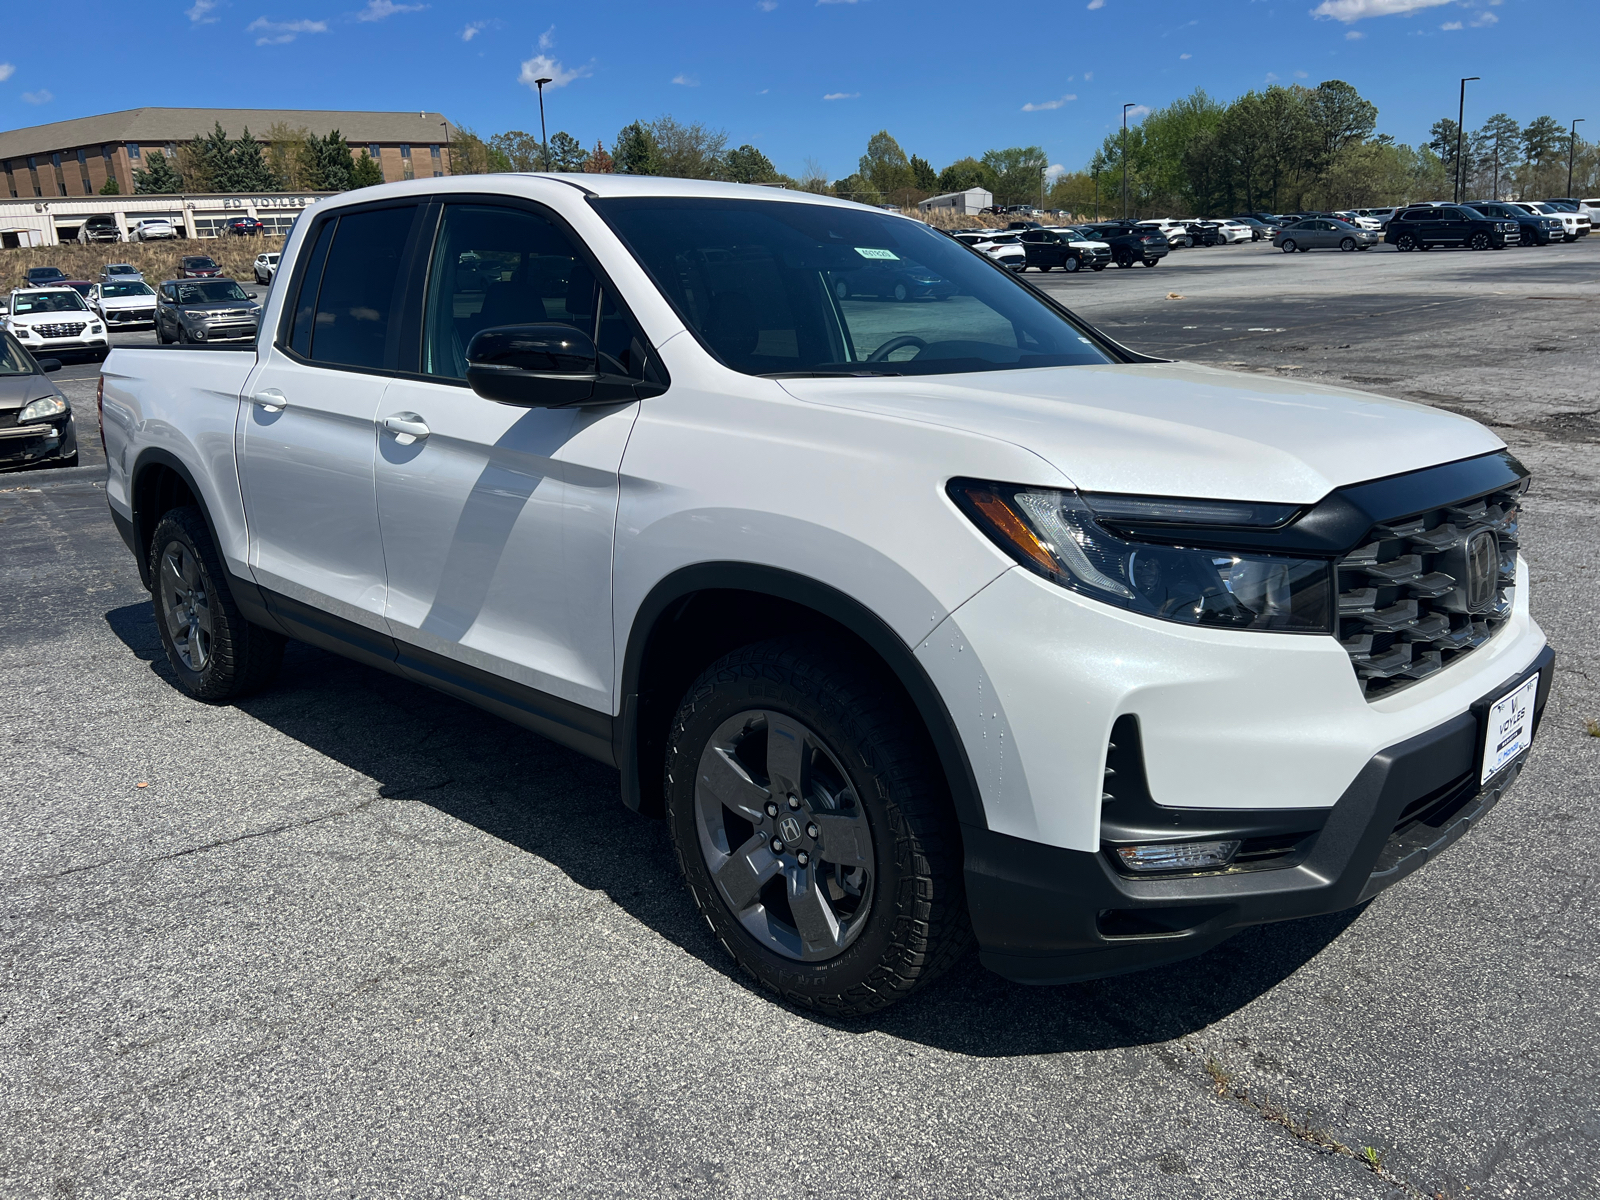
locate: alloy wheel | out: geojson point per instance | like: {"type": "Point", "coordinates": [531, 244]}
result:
{"type": "Point", "coordinates": [186, 605]}
{"type": "Point", "coordinates": [783, 837]}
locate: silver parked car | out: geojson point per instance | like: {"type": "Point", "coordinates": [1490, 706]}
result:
{"type": "Point", "coordinates": [153, 229]}
{"type": "Point", "coordinates": [1324, 233]}
{"type": "Point", "coordinates": [121, 273]}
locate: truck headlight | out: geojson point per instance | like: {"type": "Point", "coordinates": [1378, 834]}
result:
{"type": "Point", "coordinates": [1131, 551]}
{"type": "Point", "coordinates": [42, 409]}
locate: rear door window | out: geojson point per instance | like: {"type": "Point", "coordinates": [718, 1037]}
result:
{"type": "Point", "coordinates": [347, 314]}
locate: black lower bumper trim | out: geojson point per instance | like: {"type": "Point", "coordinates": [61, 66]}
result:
{"type": "Point", "coordinates": [1047, 915]}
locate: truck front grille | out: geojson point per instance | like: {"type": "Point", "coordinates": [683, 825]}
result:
{"type": "Point", "coordinates": [1423, 591]}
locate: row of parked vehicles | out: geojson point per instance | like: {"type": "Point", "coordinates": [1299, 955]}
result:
{"type": "Point", "coordinates": [103, 227]}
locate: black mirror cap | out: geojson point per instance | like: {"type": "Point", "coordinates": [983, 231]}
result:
{"type": "Point", "coordinates": [534, 366]}
{"type": "Point", "coordinates": [47, 365]}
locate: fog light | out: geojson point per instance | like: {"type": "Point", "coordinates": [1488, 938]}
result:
{"type": "Point", "coordinates": [1178, 856]}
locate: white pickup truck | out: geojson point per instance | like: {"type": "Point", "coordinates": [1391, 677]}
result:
{"type": "Point", "coordinates": [921, 621]}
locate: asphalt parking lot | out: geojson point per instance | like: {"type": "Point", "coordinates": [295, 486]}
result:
{"type": "Point", "coordinates": [353, 938]}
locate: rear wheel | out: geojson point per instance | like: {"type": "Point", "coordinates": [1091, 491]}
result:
{"type": "Point", "coordinates": [1044, 266]}
{"type": "Point", "coordinates": [214, 652]}
{"type": "Point", "coordinates": [1289, 246]}
{"type": "Point", "coordinates": [1124, 260]}
{"type": "Point", "coordinates": [841, 289]}
{"type": "Point", "coordinates": [813, 827]}
{"type": "Point", "coordinates": [1405, 242]}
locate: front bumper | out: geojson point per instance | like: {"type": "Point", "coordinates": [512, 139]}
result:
{"type": "Point", "coordinates": [1044, 914]}
{"type": "Point", "coordinates": [38, 444]}
{"type": "Point", "coordinates": [48, 347]}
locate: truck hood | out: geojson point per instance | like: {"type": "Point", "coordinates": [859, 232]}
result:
{"type": "Point", "coordinates": [1176, 429]}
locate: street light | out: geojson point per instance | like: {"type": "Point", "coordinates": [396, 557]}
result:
{"type": "Point", "coordinates": [544, 141]}
{"type": "Point", "coordinates": [449, 150]}
{"type": "Point", "coordinates": [1461, 115]}
{"type": "Point", "coordinates": [1125, 109]}
{"type": "Point", "coordinates": [1572, 150]}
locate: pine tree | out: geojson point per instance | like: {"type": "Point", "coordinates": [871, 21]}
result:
{"type": "Point", "coordinates": [111, 187]}
{"type": "Point", "coordinates": [157, 177]}
{"type": "Point", "coordinates": [599, 162]}
{"type": "Point", "coordinates": [366, 172]}
{"type": "Point", "coordinates": [636, 152]}
{"type": "Point", "coordinates": [250, 170]}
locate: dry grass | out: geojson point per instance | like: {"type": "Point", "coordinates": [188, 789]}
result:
{"type": "Point", "coordinates": [944, 218]}
{"type": "Point", "coordinates": [158, 260]}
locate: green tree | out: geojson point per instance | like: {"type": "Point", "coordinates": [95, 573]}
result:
{"type": "Point", "coordinates": [688, 151]}
{"type": "Point", "coordinates": [855, 187]}
{"type": "Point", "coordinates": [1018, 171]}
{"type": "Point", "coordinates": [746, 164]}
{"type": "Point", "coordinates": [471, 155]}
{"type": "Point", "coordinates": [1444, 136]}
{"type": "Point", "coordinates": [366, 172]}
{"type": "Point", "coordinates": [287, 154]}
{"type": "Point", "coordinates": [967, 173]}
{"type": "Point", "coordinates": [157, 176]}
{"type": "Point", "coordinates": [521, 150]}
{"type": "Point", "coordinates": [1496, 152]}
{"type": "Point", "coordinates": [885, 167]}
{"type": "Point", "coordinates": [635, 151]}
{"type": "Point", "coordinates": [330, 162]}
{"type": "Point", "coordinates": [923, 177]}
{"type": "Point", "coordinates": [1336, 117]}
{"type": "Point", "coordinates": [567, 153]}
{"type": "Point", "coordinates": [111, 187]}
{"type": "Point", "coordinates": [599, 162]}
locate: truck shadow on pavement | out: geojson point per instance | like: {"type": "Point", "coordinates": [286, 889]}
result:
{"type": "Point", "coordinates": [423, 747]}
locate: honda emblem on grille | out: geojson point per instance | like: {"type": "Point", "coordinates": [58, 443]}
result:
{"type": "Point", "coordinates": [1483, 568]}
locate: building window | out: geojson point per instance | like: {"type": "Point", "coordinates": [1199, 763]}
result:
{"type": "Point", "coordinates": [405, 151]}
{"type": "Point", "coordinates": [375, 151]}
{"type": "Point", "coordinates": [433, 151]}
{"type": "Point", "coordinates": [133, 150]}
{"type": "Point", "coordinates": [55, 160]}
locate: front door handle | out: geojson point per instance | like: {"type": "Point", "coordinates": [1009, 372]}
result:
{"type": "Point", "coordinates": [270, 399]}
{"type": "Point", "coordinates": [407, 427]}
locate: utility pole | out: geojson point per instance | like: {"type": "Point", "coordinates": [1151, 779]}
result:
{"type": "Point", "coordinates": [1495, 182]}
{"type": "Point", "coordinates": [1572, 152]}
{"type": "Point", "coordinates": [544, 140]}
{"type": "Point", "coordinates": [1461, 116]}
{"type": "Point", "coordinates": [1125, 109]}
{"type": "Point", "coordinates": [1097, 195]}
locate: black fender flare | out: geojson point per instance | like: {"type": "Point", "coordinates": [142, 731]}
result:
{"type": "Point", "coordinates": [831, 603]}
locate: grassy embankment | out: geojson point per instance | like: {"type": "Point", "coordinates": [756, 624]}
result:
{"type": "Point", "coordinates": [158, 260]}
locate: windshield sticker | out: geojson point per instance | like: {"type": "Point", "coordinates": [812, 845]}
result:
{"type": "Point", "coordinates": [874, 252]}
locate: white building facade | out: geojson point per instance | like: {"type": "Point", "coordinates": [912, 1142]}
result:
{"type": "Point", "coordinates": [56, 219]}
{"type": "Point", "coordinates": [969, 202]}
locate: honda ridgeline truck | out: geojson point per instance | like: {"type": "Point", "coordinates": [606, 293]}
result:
{"type": "Point", "coordinates": [920, 621]}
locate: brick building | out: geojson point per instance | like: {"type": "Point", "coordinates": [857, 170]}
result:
{"type": "Point", "coordinates": [74, 158]}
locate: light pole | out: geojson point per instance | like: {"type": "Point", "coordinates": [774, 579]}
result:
{"type": "Point", "coordinates": [1097, 195]}
{"type": "Point", "coordinates": [449, 150]}
{"type": "Point", "coordinates": [1572, 151]}
{"type": "Point", "coordinates": [1461, 116]}
{"type": "Point", "coordinates": [1125, 109]}
{"type": "Point", "coordinates": [544, 141]}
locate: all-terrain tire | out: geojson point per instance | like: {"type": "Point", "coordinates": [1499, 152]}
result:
{"type": "Point", "coordinates": [916, 924]}
{"type": "Point", "coordinates": [238, 658]}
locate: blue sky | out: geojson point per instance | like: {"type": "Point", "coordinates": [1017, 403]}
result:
{"type": "Point", "coordinates": [803, 78]}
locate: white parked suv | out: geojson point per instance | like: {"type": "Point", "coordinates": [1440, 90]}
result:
{"type": "Point", "coordinates": [266, 267]}
{"type": "Point", "coordinates": [55, 320]}
{"type": "Point", "coordinates": [919, 621]}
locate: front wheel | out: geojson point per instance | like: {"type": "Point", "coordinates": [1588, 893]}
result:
{"type": "Point", "coordinates": [813, 827]}
{"type": "Point", "coordinates": [1150, 262]}
{"type": "Point", "coordinates": [1480, 241]}
{"type": "Point", "coordinates": [1347, 244]}
{"type": "Point", "coordinates": [213, 651]}
{"type": "Point", "coordinates": [1070, 265]}
{"type": "Point", "coordinates": [901, 292]}
{"type": "Point", "coordinates": [1288, 246]}
{"type": "Point", "coordinates": [841, 289]}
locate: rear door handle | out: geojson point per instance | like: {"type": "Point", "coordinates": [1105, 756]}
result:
{"type": "Point", "coordinates": [270, 399]}
{"type": "Point", "coordinates": [407, 427]}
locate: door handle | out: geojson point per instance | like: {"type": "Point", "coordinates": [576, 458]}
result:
{"type": "Point", "coordinates": [407, 427]}
{"type": "Point", "coordinates": [270, 399]}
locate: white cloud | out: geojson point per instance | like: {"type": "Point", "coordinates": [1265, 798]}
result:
{"type": "Point", "coordinates": [1451, 25]}
{"type": "Point", "coordinates": [7, 70]}
{"type": "Point", "coordinates": [281, 33]}
{"type": "Point", "coordinates": [547, 38]}
{"type": "Point", "coordinates": [767, 5]}
{"type": "Point", "coordinates": [1358, 10]}
{"type": "Point", "coordinates": [1094, 4]}
{"type": "Point", "coordinates": [841, 95]}
{"type": "Point", "coordinates": [200, 12]}
{"type": "Point", "coordinates": [377, 10]}
{"type": "Point", "coordinates": [1088, 76]}
{"type": "Point", "coordinates": [39, 97]}
{"type": "Point", "coordinates": [1485, 18]}
{"type": "Point", "coordinates": [473, 30]}
{"type": "Point", "coordinates": [685, 80]}
{"type": "Point", "coordinates": [1183, 56]}
{"type": "Point", "coordinates": [542, 66]}
{"type": "Point", "coordinates": [1271, 78]}
{"type": "Point", "coordinates": [763, 91]}
{"type": "Point", "coordinates": [1355, 35]}
{"type": "Point", "coordinates": [1138, 110]}
{"type": "Point", "coordinates": [1054, 171]}
{"type": "Point", "coordinates": [1047, 105]}
{"type": "Point", "coordinates": [1301, 75]}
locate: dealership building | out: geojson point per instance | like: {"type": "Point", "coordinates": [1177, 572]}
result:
{"type": "Point", "coordinates": [53, 173]}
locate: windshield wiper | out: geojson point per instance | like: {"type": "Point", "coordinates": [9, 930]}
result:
{"type": "Point", "coordinates": [852, 374]}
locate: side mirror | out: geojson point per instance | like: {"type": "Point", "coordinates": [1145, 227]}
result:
{"type": "Point", "coordinates": [47, 365]}
{"type": "Point", "coordinates": [251, 295]}
{"type": "Point", "coordinates": [533, 366]}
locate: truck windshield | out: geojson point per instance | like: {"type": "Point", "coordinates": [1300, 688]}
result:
{"type": "Point", "coordinates": [774, 287]}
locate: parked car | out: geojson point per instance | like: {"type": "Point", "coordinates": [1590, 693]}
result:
{"type": "Point", "coordinates": [1381, 215]}
{"type": "Point", "coordinates": [1583, 223]}
{"type": "Point", "coordinates": [1359, 219]}
{"type": "Point", "coordinates": [121, 273]}
{"type": "Point", "coordinates": [44, 276]}
{"type": "Point", "coordinates": [891, 280]}
{"type": "Point", "coordinates": [82, 286]}
{"type": "Point", "coordinates": [1584, 208]}
{"type": "Point", "coordinates": [1536, 229]}
{"type": "Point", "coordinates": [124, 305]}
{"type": "Point", "coordinates": [1570, 228]}
{"type": "Point", "coordinates": [198, 266]}
{"type": "Point", "coordinates": [1203, 233]}
{"type": "Point", "coordinates": [1018, 226]}
{"type": "Point", "coordinates": [917, 626]}
{"type": "Point", "coordinates": [1259, 230]}
{"type": "Point", "coordinates": [1427, 226]}
{"type": "Point", "coordinates": [1324, 233]}
{"type": "Point", "coordinates": [205, 310]}
{"type": "Point", "coordinates": [1130, 243]}
{"type": "Point", "coordinates": [1231, 231]}
{"type": "Point", "coordinates": [99, 228]}
{"type": "Point", "coordinates": [1176, 232]}
{"type": "Point", "coordinates": [1066, 248]}
{"type": "Point", "coordinates": [266, 267]}
{"type": "Point", "coordinates": [243, 226]}
{"type": "Point", "coordinates": [36, 425]}
{"type": "Point", "coordinates": [1005, 248]}
{"type": "Point", "coordinates": [54, 321]}
{"type": "Point", "coordinates": [152, 229]}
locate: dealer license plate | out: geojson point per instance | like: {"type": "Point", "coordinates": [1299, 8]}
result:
{"type": "Point", "coordinates": [1510, 730]}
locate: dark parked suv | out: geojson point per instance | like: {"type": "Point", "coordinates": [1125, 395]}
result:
{"type": "Point", "coordinates": [1064, 248]}
{"type": "Point", "coordinates": [1423, 228]}
{"type": "Point", "coordinates": [1536, 230]}
{"type": "Point", "coordinates": [1130, 243]}
{"type": "Point", "coordinates": [198, 266]}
